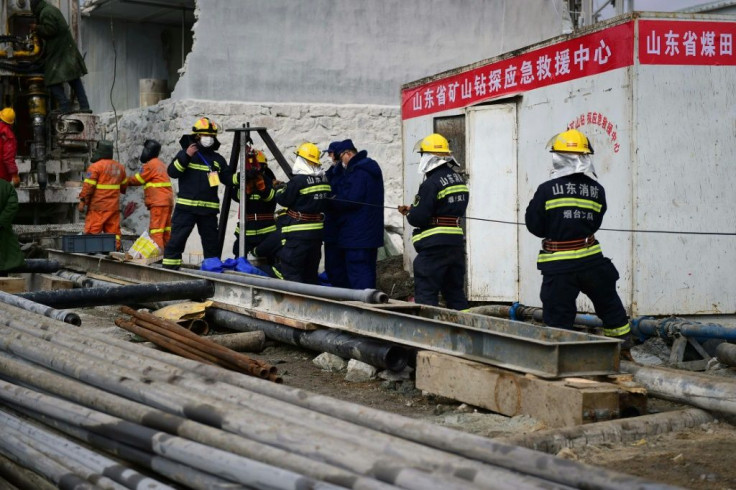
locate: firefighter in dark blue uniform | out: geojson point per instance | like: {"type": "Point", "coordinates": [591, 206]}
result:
{"type": "Point", "coordinates": [200, 170]}
{"type": "Point", "coordinates": [438, 236]}
{"type": "Point", "coordinates": [301, 232]}
{"type": "Point", "coordinates": [565, 212]}
{"type": "Point", "coordinates": [261, 203]}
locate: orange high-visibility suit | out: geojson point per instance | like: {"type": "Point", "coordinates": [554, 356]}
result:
{"type": "Point", "coordinates": [158, 197]}
{"type": "Point", "coordinates": [104, 182]}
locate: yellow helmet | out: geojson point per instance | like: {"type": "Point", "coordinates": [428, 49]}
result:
{"type": "Point", "coordinates": [204, 125]}
{"type": "Point", "coordinates": [7, 115]}
{"type": "Point", "coordinates": [309, 152]}
{"type": "Point", "coordinates": [571, 141]}
{"type": "Point", "coordinates": [434, 143]}
{"type": "Point", "coordinates": [260, 156]}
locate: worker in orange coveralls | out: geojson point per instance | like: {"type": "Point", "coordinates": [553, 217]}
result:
{"type": "Point", "coordinates": [157, 191]}
{"type": "Point", "coordinates": [8, 147]}
{"type": "Point", "coordinates": [103, 183]}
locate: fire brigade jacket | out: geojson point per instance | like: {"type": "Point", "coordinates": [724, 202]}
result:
{"type": "Point", "coordinates": [359, 203]}
{"type": "Point", "coordinates": [8, 147]}
{"type": "Point", "coordinates": [62, 61]}
{"type": "Point", "coordinates": [10, 253]}
{"type": "Point", "coordinates": [157, 189]}
{"type": "Point", "coordinates": [103, 183]}
{"type": "Point", "coordinates": [437, 208]}
{"type": "Point", "coordinates": [196, 195]}
{"type": "Point", "coordinates": [567, 209]}
{"type": "Point", "coordinates": [306, 198]}
{"type": "Point", "coordinates": [259, 207]}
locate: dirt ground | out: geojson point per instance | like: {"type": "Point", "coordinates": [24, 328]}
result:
{"type": "Point", "coordinates": [700, 458]}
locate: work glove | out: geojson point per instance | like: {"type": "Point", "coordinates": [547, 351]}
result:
{"type": "Point", "coordinates": [80, 206]}
{"type": "Point", "coordinates": [15, 181]}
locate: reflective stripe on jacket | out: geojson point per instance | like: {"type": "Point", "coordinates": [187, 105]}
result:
{"type": "Point", "coordinates": [564, 209]}
{"type": "Point", "coordinates": [156, 184]}
{"type": "Point", "coordinates": [103, 184]}
{"type": "Point", "coordinates": [443, 193]}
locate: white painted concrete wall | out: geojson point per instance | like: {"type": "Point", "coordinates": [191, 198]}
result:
{"type": "Point", "coordinates": [347, 52]}
{"type": "Point", "coordinates": [289, 125]}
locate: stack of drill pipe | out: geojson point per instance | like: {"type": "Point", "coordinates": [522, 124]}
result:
{"type": "Point", "coordinates": [177, 339]}
{"type": "Point", "coordinates": [218, 421]}
{"type": "Point", "coordinates": [86, 463]}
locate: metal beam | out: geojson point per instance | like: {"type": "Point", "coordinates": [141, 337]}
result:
{"type": "Point", "coordinates": [543, 351]}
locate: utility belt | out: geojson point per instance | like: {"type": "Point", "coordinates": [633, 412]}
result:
{"type": "Point", "coordinates": [260, 217]}
{"type": "Point", "coordinates": [309, 217]}
{"type": "Point", "coordinates": [445, 221]}
{"type": "Point", "coordinates": [553, 246]}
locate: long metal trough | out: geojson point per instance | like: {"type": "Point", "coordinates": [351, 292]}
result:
{"type": "Point", "coordinates": [519, 346]}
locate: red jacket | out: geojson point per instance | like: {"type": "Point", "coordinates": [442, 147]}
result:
{"type": "Point", "coordinates": [156, 184]}
{"type": "Point", "coordinates": [104, 182]}
{"type": "Point", "coordinates": [8, 148]}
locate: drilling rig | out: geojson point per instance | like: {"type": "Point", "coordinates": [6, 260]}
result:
{"type": "Point", "coordinates": [53, 148]}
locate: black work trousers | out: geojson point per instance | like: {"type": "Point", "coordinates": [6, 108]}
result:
{"type": "Point", "coordinates": [440, 269]}
{"type": "Point", "coordinates": [182, 224]}
{"type": "Point", "coordinates": [299, 260]}
{"type": "Point", "coordinates": [559, 292]}
{"type": "Point", "coordinates": [65, 105]}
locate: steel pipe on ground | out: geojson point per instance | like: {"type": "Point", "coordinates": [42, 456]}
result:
{"type": "Point", "coordinates": [699, 390]}
{"type": "Point", "coordinates": [527, 462]}
{"type": "Point", "coordinates": [339, 294]}
{"type": "Point", "coordinates": [136, 293]}
{"type": "Point", "coordinates": [191, 400]}
{"type": "Point", "coordinates": [17, 451]}
{"type": "Point", "coordinates": [40, 309]}
{"type": "Point", "coordinates": [55, 452]}
{"type": "Point", "coordinates": [22, 477]}
{"type": "Point", "coordinates": [78, 392]}
{"type": "Point", "coordinates": [726, 354]}
{"type": "Point", "coordinates": [358, 452]}
{"type": "Point", "coordinates": [82, 280]}
{"type": "Point", "coordinates": [504, 456]}
{"type": "Point", "coordinates": [205, 458]}
{"type": "Point", "coordinates": [371, 351]}
{"type": "Point", "coordinates": [97, 464]}
{"type": "Point", "coordinates": [41, 266]}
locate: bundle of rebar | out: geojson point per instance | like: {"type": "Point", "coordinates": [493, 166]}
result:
{"type": "Point", "coordinates": [179, 340]}
{"type": "Point", "coordinates": [202, 426]}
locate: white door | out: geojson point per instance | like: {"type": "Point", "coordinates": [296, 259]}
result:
{"type": "Point", "coordinates": [492, 247]}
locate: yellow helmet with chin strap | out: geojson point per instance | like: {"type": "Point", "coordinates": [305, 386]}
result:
{"type": "Point", "coordinates": [570, 141]}
{"type": "Point", "coordinates": [309, 152]}
{"type": "Point", "coordinates": [434, 143]}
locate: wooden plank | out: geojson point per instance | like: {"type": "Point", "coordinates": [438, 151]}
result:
{"type": "Point", "coordinates": [553, 402]}
{"type": "Point", "coordinates": [50, 283]}
{"type": "Point", "coordinates": [13, 285]}
{"type": "Point", "coordinates": [116, 280]}
{"type": "Point", "coordinates": [270, 317]}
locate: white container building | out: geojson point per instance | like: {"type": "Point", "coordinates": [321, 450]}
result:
{"type": "Point", "coordinates": [656, 95]}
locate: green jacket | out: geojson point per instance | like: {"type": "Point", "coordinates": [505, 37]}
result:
{"type": "Point", "coordinates": [10, 254]}
{"type": "Point", "coordinates": [62, 61]}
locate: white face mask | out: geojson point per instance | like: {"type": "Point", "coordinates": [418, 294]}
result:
{"type": "Point", "coordinates": [206, 141]}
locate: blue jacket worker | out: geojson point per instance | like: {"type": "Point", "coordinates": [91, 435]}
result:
{"type": "Point", "coordinates": [565, 212]}
{"type": "Point", "coordinates": [333, 262]}
{"type": "Point", "coordinates": [438, 236]}
{"type": "Point", "coordinates": [358, 203]}
{"type": "Point", "coordinates": [305, 196]}
{"type": "Point", "coordinates": [200, 170]}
